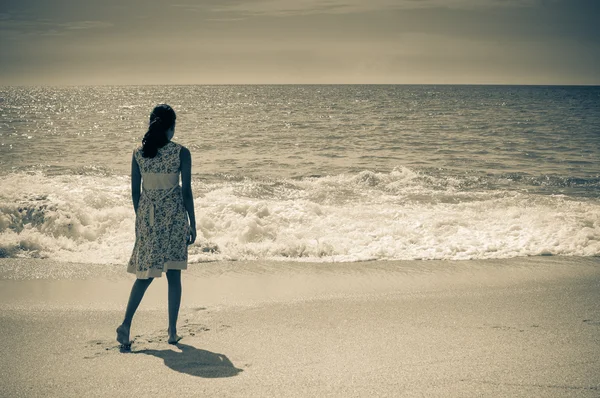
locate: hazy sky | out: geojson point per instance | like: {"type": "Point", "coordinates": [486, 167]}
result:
{"type": "Point", "coordinates": [299, 41]}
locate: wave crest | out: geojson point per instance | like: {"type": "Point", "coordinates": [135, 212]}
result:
{"type": "Point", "coordinates": [404, 214]}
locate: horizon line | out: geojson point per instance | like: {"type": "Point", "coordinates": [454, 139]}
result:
{"type": "Point", "coordinates": [312, 84]}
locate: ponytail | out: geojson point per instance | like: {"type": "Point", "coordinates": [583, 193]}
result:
{"type": "Point", "coordinates": [162, 119]}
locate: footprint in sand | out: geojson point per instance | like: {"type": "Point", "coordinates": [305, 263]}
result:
{"type": "Point", "coordinates": [193, 328]}
{"type": "Point", "coordinates": [96, 348]}
{"type": "Point", "coordinates": [591, 322]}
{"type": "Point", "coordinates": [510, 328]}
{"type": "Point", "coordinates": [154, 339]}
{"type": "Point", "coordinates": [224, 326]}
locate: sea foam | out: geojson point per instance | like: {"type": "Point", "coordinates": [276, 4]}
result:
{"type": "Point", "coordinates": [355, 217]}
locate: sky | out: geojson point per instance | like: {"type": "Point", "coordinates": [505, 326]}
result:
{"type": "Point", "coordinates": [81, 42]}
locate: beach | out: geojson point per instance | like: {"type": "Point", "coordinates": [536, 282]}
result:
{"type": "Point", "coordinates": [353, 241]}
{"type": "Point", "coordinates": [517, 327]}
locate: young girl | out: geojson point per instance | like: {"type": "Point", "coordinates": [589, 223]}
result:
{"type": "Point", "coordinates": [162, 208]}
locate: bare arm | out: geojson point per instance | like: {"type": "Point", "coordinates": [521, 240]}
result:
{"type": "Point", "coordinates": [136, 182]}
{"type": "Point", "coordinates": [186, 182]}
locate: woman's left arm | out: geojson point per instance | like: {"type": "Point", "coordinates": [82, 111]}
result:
{"type": "Point", "coordinates": [188, 198]}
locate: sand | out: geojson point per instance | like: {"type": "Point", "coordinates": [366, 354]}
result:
{"type": "Point", "coordinates": [517, 328]}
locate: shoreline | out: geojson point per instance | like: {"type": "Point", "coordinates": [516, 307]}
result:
{"type": "Point", "coordinates": [13, 268]}
{"type": "Point", "coordinates": [251, 283]}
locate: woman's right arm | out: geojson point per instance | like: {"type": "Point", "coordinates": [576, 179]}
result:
{"type": "Point", "coordinates": [136, 182]}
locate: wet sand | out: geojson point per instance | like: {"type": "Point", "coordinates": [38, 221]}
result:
{"type": "Point", "coordinates": [519, 328]}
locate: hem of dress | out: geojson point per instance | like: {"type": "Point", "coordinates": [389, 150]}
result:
{"type": "Point", "coordinates": [157, 273]}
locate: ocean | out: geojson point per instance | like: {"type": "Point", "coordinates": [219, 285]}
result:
{"type": "Point", "coordinates": [340, 173]}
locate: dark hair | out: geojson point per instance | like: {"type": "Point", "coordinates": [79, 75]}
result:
{"type": "Point", "coordinates": [162, 119]}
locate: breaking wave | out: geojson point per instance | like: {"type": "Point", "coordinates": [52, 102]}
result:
{"type": "Point", "coordinates": [404, 214]}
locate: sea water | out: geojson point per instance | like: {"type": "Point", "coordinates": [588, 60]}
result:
{"type": "Point", "coordinates": [310, 173]}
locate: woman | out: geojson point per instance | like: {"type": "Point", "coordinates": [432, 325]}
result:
{"type": "Point", "coordinates": [162, 209]}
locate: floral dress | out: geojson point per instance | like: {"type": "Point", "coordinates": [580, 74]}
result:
{"type": "Point", "coordinates": [161, 224]}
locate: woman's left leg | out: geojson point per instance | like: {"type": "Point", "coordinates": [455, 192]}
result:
{"type": "Point", "coordinates": [174, 279]}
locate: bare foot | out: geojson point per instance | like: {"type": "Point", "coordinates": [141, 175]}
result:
{"type": "Point", "coordinates": [123, 335]}
{"type": "Point", "coordinates": [173, 338]}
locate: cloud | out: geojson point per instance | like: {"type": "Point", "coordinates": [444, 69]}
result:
{"type": "Point", "coordinates": [86, 25]}
{"type": "Point", "coordinates": [309, 7]}
{"type": "Point", "coordinates": [15, 28]}
{"type": "Point", "coordinates": [225, 19]}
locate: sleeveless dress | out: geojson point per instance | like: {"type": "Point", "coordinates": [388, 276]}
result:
{"type": "Point", "coordinates": [161, 224]}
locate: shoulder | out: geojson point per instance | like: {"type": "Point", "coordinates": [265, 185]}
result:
{"type": "Point", "coordinates": [185, 156]}
{"type": "Point", "coordinates": [137, 151]}
{"type": "Point", "coordinates": [183, 151]}
{"type": "Point", "coordinates": [176, 144]}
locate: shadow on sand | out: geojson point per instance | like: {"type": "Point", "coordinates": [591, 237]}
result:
{"type": "Point", "coordinates": [195, 362]}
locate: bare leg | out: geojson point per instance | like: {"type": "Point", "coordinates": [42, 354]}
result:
{"type": "Point", "coordinates": [137, 293]}
{"type": "Point", "coordinates": [174, 278]}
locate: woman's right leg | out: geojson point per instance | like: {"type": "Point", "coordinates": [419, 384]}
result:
{"type": "Point", "coordinates": [135, 297]}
